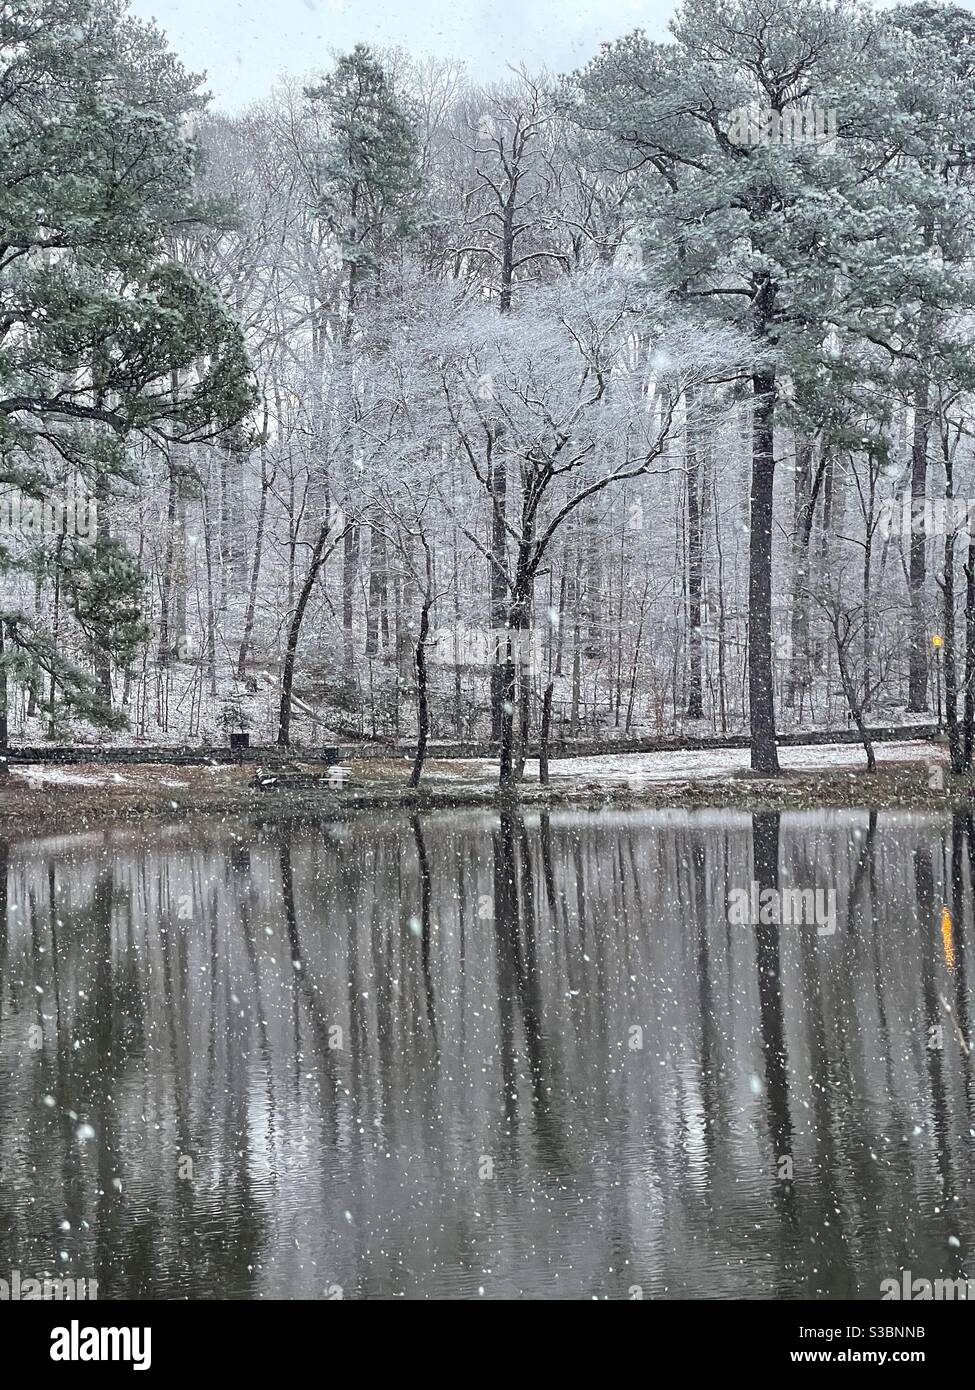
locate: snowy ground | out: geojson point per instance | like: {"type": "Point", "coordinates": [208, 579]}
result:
{"type": "Point", "coordinates": [695, 764]}
{"type": "Point", "coordinates": [98, 789]}
{"type": "Point", "coordinates": [44, 777]}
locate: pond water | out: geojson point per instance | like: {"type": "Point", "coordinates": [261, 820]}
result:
{"type": "Point", "coordinates": [466, 1055]}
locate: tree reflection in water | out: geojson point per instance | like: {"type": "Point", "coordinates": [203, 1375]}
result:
{"type": "Point", "coordinates": [502, 1053]}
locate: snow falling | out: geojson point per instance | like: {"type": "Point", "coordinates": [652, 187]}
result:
{"type": "Point", "coordinates": [487, 656]}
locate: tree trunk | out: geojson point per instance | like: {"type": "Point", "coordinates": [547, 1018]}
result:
{"type": "Point", "coordinates": [245, 640]}
{"type": "Point", "coordinates": [806, 496]}
{"type": "Point", "coordinates": [319, 556]}
{"type": "Point", "coordinates": [955, 733]}
{"type": "Point", "coordinates": [498, 481]}
{"type": "Point", "coordinates": [544, 734]}
{"type": "Point", "coordinates": [165, 649]}
{"type": "Point", "coordinates": [103, 662]}
{"type": "Point", "coordinates": [4, 734]}
{"type": "Point", "coordinates": [350, 568]}
{"type": "Point", "coordinates": [695, 568]}
{"type": "Point", "coordinates": [917, 690]}
{"type": "Point", "coordinates": [761, 705]}
{"type": "Point", "coordinates": [968, 733]}
{"type": "Point", "coordinates": [377, 590]}
{"type": "Point", "coordinates": [508, 713]}
{"type": "Point", "coordinates": [422, 703]}
{"type": "Point", "coordinates": [233, 561]}
{"type": "Point", "coordinates": [517, 625]}
{"type": "Point", "coordinates": [855, 704]}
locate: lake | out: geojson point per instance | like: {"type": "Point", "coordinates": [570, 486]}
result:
{"type": "Point", "coordinates": [467, 1055]}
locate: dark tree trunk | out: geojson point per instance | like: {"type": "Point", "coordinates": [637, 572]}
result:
{"type": "Point", "coordinates": [517, 622]}
{"type": "Point", "coordinates": [968, 734]}
{"type": "Point", "coordinates": [695, 568]}
{"type": "Point", "coordinates": [4, 733]}
{"type": "Point", "coordinates": [499, 587]}
{"type": "Point", "coordinates": [544, 734]}
{"type": "Point", "coordinates": [955, 732]}
{"type": "Point", "coordinates": [508, 712]}
{"type": "Point", "coordinates": [765, 854]}
{"type": "Point", "coordinates": [761, 704]}
{"type": "Point", "coordinates": [917, 690]}
{"type": "Point", "coordinates": [422, 703]}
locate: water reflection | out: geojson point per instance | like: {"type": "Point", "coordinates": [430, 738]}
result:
{"type": "Point", "coordinates": [478, 1054]}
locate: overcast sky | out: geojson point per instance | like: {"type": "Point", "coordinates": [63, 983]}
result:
{"type": "Point", "coordinates": [243, 45]}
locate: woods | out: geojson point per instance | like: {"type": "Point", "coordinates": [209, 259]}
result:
{"type": "Point", "coordinates": [418, 409]}
{"type": "Point", "coordinates": [487, 665]}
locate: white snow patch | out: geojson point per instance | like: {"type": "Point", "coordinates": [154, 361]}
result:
{"type": "Point", "coordinates": [38, 774]}
{"type": "Point", "coordinates": [697, 764]}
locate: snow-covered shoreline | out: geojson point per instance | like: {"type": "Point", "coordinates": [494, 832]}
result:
{"type": "Point", "coordinates": [825, 776]}
{"type": "Point", "coordinates": [700, 764]}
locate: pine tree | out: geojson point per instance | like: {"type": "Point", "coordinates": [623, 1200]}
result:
{"type": "Point", "coordinates": [101, 336]}
{"type": "Point", "coordinates": [754, 207]}
{"type": "Point", "coordinates": [368, 171]}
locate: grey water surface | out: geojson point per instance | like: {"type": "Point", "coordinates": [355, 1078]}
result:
{"type": "Point", "coordinates": [483, 1055]}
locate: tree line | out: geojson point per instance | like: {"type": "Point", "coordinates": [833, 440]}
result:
{"type": "Point", "coordinates": [415, 408]}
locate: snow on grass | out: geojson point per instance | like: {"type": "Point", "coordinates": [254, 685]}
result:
{"type": "Point", "coordinates": [38, 775]}
{"type": "Point", "coordinates": [143, 776]}
{"type": "Point", "coordinates": [693, 764]}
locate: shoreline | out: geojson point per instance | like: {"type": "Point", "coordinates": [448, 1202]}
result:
{"type": "Point", "coordinates": [164, 792]}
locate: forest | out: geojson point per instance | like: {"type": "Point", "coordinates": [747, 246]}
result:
{"type": "Point", "coordinates": [398, 408]}
{"type": "Point", "coordinates": [487, 666]}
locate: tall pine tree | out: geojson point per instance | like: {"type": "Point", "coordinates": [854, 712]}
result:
{"type": "Point", "coordinates": [101, 335]}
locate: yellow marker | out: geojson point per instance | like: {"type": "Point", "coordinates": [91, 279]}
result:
{"type": "Point", "coordinates": [937, 641]}
{"type": "Point", "coordinates": [947, 938]}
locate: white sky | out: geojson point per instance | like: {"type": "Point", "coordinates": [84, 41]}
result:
{"type": "Point", "coordinates": [242, 45]}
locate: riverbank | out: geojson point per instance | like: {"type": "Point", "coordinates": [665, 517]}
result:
{"type": "Point", "coordinates": [908, 776]}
